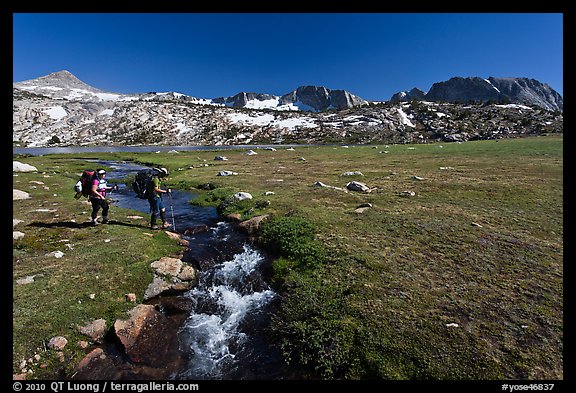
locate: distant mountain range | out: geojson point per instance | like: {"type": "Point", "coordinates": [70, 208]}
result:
{"type": "Point", "coordinates": [59, 110]}
{"type": "Point", "coordinates": [500, 90]}
{"type": "Point", "coordinates": [523, 91]}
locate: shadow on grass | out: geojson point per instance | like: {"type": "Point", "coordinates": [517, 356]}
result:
{"type": "Point", "coordinates": [76, 225]}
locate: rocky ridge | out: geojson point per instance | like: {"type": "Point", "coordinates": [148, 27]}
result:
{"type": "Point", "coordinates": [62, 111]}
{"type": "Point", "coordinates": [522, 91]}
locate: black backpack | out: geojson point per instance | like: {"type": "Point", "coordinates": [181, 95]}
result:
{"type": "Point", "coordinates": [141, 184]}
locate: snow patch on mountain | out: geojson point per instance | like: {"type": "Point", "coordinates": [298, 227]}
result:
{"type": "Point", "coordinates": [404, 118]}
{"type": "Point", "coordinates": [56, 112]}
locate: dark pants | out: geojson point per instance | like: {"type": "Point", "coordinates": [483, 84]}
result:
{"type": "Point", "coordinates": [97, 204]}
{"type": "Point", "coordinates": [157, 207]}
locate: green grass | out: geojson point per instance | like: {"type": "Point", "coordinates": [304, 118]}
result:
{"type": "Point", "coordinates": [107, 262]}
{"type": "Point", "coordinates": [392, 278]}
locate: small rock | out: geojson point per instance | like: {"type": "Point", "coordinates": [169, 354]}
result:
{"type": "Point", "coordinates": [58, 343]}
{"type": "Point", "coordinates": [25, 280]}
{"type": "Point", "coordinates": [242, 196]}
{"type": "Point", "coordinates": [83, 344]}
{"type": "Point", "coordinates": [357, 186]}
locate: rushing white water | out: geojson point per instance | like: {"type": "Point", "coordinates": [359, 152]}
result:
{"type": "Point", "coordinates": [224, 296]}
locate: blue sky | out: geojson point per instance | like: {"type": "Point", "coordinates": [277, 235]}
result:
{"type": "Point", "coordinates": [209, 55]}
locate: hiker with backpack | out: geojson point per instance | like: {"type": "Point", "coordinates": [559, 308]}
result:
{"type": "Point", "coordinates": [97, 197]}
{"type": "Point", "coordinates": [155, 198]}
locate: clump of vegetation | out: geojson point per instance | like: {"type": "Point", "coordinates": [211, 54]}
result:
{"type": "Point", "coordinates": [214, 197]}
{"type": "Point", "coordinates": [293, 238]}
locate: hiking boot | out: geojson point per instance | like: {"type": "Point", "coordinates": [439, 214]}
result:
{"type": "Point", "coordinates": [105, 220]}
{"type": "Point", "coordinates": [94, 223]}
{"type": "Point", "coordinates": [166, 225]}
{"type": "Point", "coordinates": [154, 226]}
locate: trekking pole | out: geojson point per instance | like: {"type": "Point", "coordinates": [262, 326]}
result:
{"type": "Point", "coordinates": [172, 211]}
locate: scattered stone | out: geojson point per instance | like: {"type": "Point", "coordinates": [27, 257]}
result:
{"type": "Point", "coordinates": [301, 159]}
{"type": "Point", "coordinates": [55, 254]}
{"type": "Point", "coordinates": [226, 173]}
{"type": "Point", "coordinates": [452, 325]}
{"type": "Point", "coordinates": [291, 149]}
{"type": "Point", "coordinates": [252, 225]}
{"type": "Point", "coordinates": [476, 225]}
{"type": "Point", "coordinates": [82, 344]}
{"type": "Point", "coordinates": [16, 222]}
{"type": "Point", "coordinates": [25, 280]}
{"type": "Point", "coordinates": [269, 148]}
{"type": "Point", "coordinates": [357, 186]}
{"type": "Point", "coordinates": [188, 273]}
{"type": "Point", "coordinates": [94, 354]}
{"type": "Point", "coordinates": [355, 173]}
{"type": "Point", "coordinates": [320, 184]}
{"type": "Point", "coordinates": [417, 178]}
{"type": "Point", "coordinates": [17, 194]}
{"type": "Point", "coordinates": [130, 297]}
{"type": "Point", "coordinates": [220, 158]}
{"type": "Point", "coordinates": [269, 193]}
{"type": "Point", "coordinates": [407, 193]}
{"type": "Point", "coordinates": [446, 168]}
{"type": "Point", "coordinates": [242, 196]}
{"type": "Point", "coordinates": [22, 167]}
{"type": "Point", "coordinates": [156, 287]}
{"type": "Point", "coordinates": [251, 153]}
{"type": "Point", "coordinates": [365, 205]}
{"type": "Point", "coordinates": [16, 235]}
{"type": "Point", "coordinates": [94, 330]}
{"type": "Point", "coordinates": [236, 217]}
{"type": "Point", "coordinates": [167, 266]}
{"type": "Point", "coordinates": [58, 343]}
{"type": "Point", "coordinates": [92, 296]}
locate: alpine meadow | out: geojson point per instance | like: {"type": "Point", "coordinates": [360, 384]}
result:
{"type": "Point", "coordinates": [446, 263]}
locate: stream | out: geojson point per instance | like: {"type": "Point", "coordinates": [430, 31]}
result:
{"type": "Point", "coordinates": [225, 336]}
